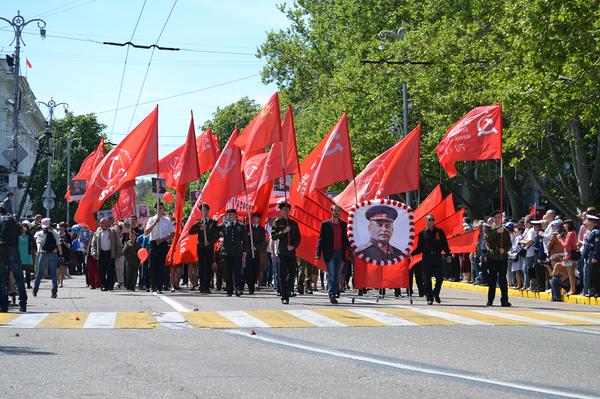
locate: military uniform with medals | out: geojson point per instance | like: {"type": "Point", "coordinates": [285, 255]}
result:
{"type": "Point", "coordinates": [591, 253]}
{"type": "Point", "coordinates": [205, 253]}
{"type": "Point", "coordinates": [287, 259]}
{"type": "Point", "coordinates": [234, 243]}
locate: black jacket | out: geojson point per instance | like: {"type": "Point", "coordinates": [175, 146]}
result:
{"type": "Point", "coordinates": [325, 244]}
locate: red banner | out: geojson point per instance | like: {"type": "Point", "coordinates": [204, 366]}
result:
{"type": "Point", "coordinates": [390, 276]}
{"type": "Point", "coordinates": [476, 136]}
{"type": "Point", "coordinates": [88, 166]}
{"type": "Point", "coordinates": [263, 130]}
{"type": "Point", "coordinates": [181, 166]}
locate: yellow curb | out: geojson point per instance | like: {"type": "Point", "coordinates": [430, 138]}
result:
{"type": "Point", "coordinates": [525, 294]}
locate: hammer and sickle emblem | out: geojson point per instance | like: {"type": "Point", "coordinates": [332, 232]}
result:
{"type": "Point", "coordinates": [266, 111]}
{"type": "Point", "coordinates": [226, 170]}
{"type": "Point", "coordinates": [337, 147]}
{"type": "Point", "coordinates": [484, 130]}
{"type": "Point", "coordinates": [205, 144]}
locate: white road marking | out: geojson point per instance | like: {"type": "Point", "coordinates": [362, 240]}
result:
{"type": "Point", "coordinates": [101, 320]}
{"type": "Point", "coordinates": [515, 317]}
{"type": "Point", "coordinates": [315, 318]}
{"type": "Point", "coordinates": [176, 305]}
{"type": "Point", "coordinates": [569, 316]}
{"type": "Point", "coordinates": [384, 318]}
{"type": "Point", "coordinates": [27, 320]}
{"type": "Point", "coordinates": [448, 316]}
{"type": "Point", "coordinates": [243, 319]}
{"type": "Point", "coordinates": [172, 321]}
{"type": "Point", "coordinates": [407, 367]}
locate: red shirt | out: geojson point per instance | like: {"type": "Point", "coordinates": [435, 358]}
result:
{"type": "Point", "coordinates": [337, 235]}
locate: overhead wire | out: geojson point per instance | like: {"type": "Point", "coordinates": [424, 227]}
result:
{"type": "Point", "coordinates": [148, 68]}
{"type": "Point", "coordinates": [124, 69]}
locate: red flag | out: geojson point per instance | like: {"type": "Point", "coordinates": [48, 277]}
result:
{"type": "Point", "coordinates": [439, 212]}
{"type": "Point", "coordinates": [217, 145]}
{"type": "Point", "coordinates": [262, 202]}
{"type": "Point", "coordinates": [181, 166]}
{"type": "Point", "coordinates": [464, 243]}
{"type": "Point", "coordinates": [88, 166]}
{"type": "Point", "coordinates": [334, 162]}
{"type": "Point", "coordinates": [390, 276]}
{"type": "Point", "coordinates": [28, 63]}
{"type": "Point", "coordinates": [253, 170]}
{"type": "Point", "coordinates": [179, 203]}
{"type": "Point", "coordinates": [395, 171]}
{"type": "Point", "coordinates": [136, 155]}
{"type": "Point", "coordinates": [432, 200]}
{"type": "Point", "coordinates": [285, 150]}
{"type": "Point", "coordinates": [226, 179]}
{"type": "Point", "coordinates": [453, 224]}
{"type": "Point", "coordinates": [476, 136]}
{"type": "Point", "coordinates": [308, 245]}
{"type": "Point", "coordinates": [532, 212]}
{"type": "Point", "coordinates": [124, 207]}
{"type": "Point", "coordinates": [207, 153]}
{"type": "Point", "coordinates": [263, 130]}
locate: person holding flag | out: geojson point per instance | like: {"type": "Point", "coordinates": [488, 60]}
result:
{"type": "Point", "coordinates": [288, 233]}
{"type": "Point", "coordinates": [499, 244]}
{"type": "Point", "coordinates": [206, 228]}
{"type": "Point", "coordinates": [160, 229]}
{"type": "Point", "coordinates": [234, 244]}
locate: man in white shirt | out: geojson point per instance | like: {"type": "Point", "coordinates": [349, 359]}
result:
{"type": "Point", "coordinates": [550, 216]}
{"type": "Point", "coordinates": [160, 229]}
{"type": "Point", "coordinates": [106, 247]}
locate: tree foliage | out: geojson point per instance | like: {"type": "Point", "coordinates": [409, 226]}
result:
{"type": "Point", "coordinates": [540, 58]}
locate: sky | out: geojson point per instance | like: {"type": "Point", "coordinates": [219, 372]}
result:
{"type": "Point", "coordinates": [218, 41]}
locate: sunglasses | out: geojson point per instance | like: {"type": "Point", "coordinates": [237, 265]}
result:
{"type": "Point", "coordinates": [431, 220]}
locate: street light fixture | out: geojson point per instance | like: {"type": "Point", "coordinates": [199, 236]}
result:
{"type": "Point", "coordinates": [51, 105]}
{"type": "Point", "coordinates": [18, 23]}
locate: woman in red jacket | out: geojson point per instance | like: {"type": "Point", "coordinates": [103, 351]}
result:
{"type": "Point", "coordinates": [569, 241]}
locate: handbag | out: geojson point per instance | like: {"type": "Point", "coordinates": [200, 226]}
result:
{"type": "Point", "coordinates": [523, 251]}
{"type": "Point", "coordinates": [513, 256]}
{"type": "Point", "coordinates": [575, 255]}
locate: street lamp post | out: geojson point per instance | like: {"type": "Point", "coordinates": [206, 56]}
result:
{"type": "Point", "coordinates": [18, 23]}
{"type": "Point", "coordinates": [69, 140]}
{"type": "Point", "coordinates": [51, 106]}
{"type": "Point", "coordinates": [383, 35]}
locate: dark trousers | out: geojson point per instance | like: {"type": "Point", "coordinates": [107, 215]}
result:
{"type": "Point", "coordinates": [540, 275]}
{"type": "Point", "coordinates": [417, 271]}
{"type": "Point", "coordinates": [595, 274]}
{"type": "Point", "coordinates": [287, 274]}
{"type": "Point", "coordinates": [106, 267]}
{"type": "Point", "coordinates": [205, 261]}
{"type": "Point", "coordinates": [156, 264]}
{"type": "Point", "coordinates": [233, 269]}
{"type": "Point", "coordinates": [455, 265]}
{"type": "Point", "coordinates": [80, 261]}
{"type": "Point", "coordinates": [432, 267]}
{"type": "Point", "coordinates": [251, 270]}
{"type": "Point", "coordinates": [497, 270]}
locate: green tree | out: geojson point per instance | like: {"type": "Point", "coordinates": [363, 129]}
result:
{"type": "Point", "coordinates": [88, 131]}
{"type": "Point", "coordinates": [225, 119]}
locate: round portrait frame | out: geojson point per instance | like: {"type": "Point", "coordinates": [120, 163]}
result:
{"type": "Point", "coordinates": [400, 207]}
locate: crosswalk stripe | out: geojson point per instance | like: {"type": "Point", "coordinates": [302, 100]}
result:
{"type": "Point", "coordinates": [384, 318]}
{"type": "Point", "coordinates": [279, 319]}
{"type": "Point", "coordinates": [28, 320]}
{"type": "Point", "coordinates": [591, 315]}
{"type": "Point", "coordinates": [452, 317]}
{"type": "Point", "coordinates": [418, 318]}
{"type": "Point", "coordinates": [64, 320]}
{"type": "Point", "coordinates": [172, 321]}
{"type": "Point", "coordinates": [581, 320]}
{"type": "Point", "coordinates": [516, 317]}
{"type": "Point", "coordinates": [136, 320]}
{"type": "Point", "coordinates": [349, 318]}
{"type": "Point", "coordinates": [208, 320]}
{"type": "Point", "coordinates": [6, 318]}
{"type": "Point", "coordinates": [315, 318]}
{"type": "Point", "coordinates": [244, 319]}
{"type": "Point", "coordinates": [493, 320]}
{"type": "Point", "coordinates": [101, 320]}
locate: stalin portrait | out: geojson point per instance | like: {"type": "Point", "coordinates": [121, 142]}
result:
{"type": "Point", "coordinates": [381, 229]}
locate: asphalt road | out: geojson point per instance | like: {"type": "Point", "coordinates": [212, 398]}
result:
{"type": "Point", "coordinates": [431, 361]}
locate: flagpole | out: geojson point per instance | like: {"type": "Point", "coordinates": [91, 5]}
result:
{"type": "Point", "coordinates": [287, 221]}
{"type": "Point", "coordinates": [202, 203]}
{"type": "Point", "coordinates": [249, 211]}
{"type": "Point", "coordinates": [355, 190]}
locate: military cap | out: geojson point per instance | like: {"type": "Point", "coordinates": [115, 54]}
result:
{"type": "Point", "coordinates": [381, 213]}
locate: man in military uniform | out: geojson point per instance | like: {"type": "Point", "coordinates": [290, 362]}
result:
{"type": "Point", "coordinates": [234, 243]}
{"type": "Point", "coordinates": [498, 242]}
{"type": "Point", "coordinates": [432, 241]}
{"type": "Point", "coordinates": [381, 228]}
{"type": "Point", "coordinates": [255, 245]}
{"type": "Point", "coordinates": [288, 234]}
{"type": "Point", "coordinates": [206, 228]}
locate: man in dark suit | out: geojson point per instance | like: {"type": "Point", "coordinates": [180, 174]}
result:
{"type": "Point", "coordinates": [206, 228]}
{"type": "Point", "coordinates": [332, 240]}
{"type": "Point", "coordinates": [234, 244]}
{"type": "Point", "coordinates": [256, 242]}
{"type": "Point", "coordinates": [288, 233]}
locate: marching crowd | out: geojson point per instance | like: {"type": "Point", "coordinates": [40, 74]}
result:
{"type": "Point", "coordinates": [547, 255]}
